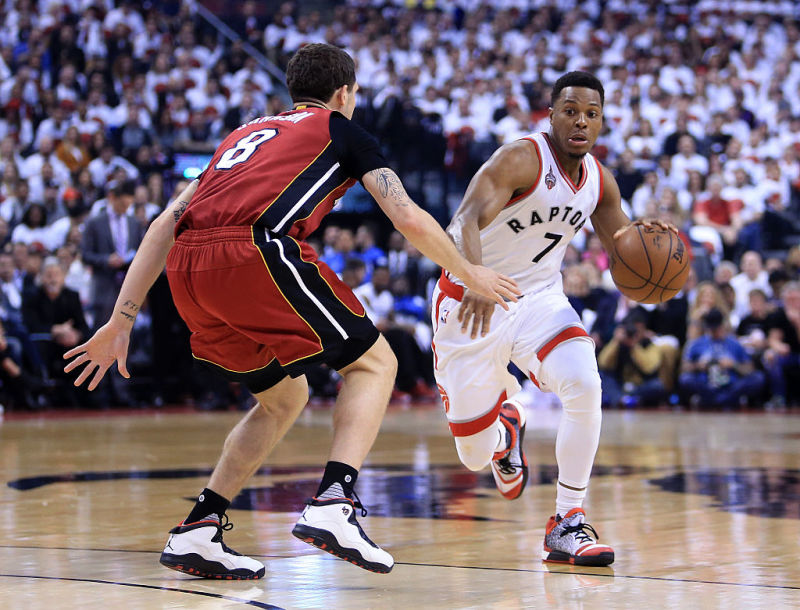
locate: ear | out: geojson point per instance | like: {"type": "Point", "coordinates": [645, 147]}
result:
{"type": "Point", "coordinates": [550, 114]}
{"type": "Point", "coordinates": [341, 95]}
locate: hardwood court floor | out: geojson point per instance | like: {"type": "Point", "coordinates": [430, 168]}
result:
{"type": "Point", "coordinates": [702, 509]}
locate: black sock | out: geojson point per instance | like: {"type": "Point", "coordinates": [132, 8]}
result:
{"type": "Point", "coordinates": [208, 502]}
{"type": "Point", "coordinates": [337, 472]}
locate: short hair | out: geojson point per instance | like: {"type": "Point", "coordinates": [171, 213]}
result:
{"type": "Point", "coordinates": [317, 70]}
{"type": "Point", "coordinates": [577, 79]}
{"type": "Point", "coordinates": [122, 187]}
{"type": "Point", "coordinates": [354, 264]}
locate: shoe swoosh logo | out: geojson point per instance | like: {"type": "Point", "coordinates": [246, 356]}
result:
{"type": "Point", "coordinates": [507, 485]}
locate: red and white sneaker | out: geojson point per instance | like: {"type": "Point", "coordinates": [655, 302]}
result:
{"type": "Point", "coordinates": [510, 467]}
{"type": "Point", "coordinates": [197, 549]}
{"type": "Point", "coordinates": [569, 539]}
{"type": "Point", "coordinates": [331, 525]}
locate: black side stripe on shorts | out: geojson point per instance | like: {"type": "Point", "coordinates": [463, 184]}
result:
{"type": "Point", "coordinates": [308, 293]}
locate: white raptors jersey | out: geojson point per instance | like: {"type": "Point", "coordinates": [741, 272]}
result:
{"type": "Point", "coordinates": [529, 237]}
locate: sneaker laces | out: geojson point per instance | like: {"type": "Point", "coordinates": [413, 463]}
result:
{"type": "Point", "coordinates": [505, 466]}
{"type": "Point", "coordinates": [224, 527]}
{"type": "Point", "coordinates": [357, 504]}
{"type": "Point", "coordinates": [580, 532]}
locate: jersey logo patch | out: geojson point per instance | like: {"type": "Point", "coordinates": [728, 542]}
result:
{"type": "Point", "coordinates": [550, 179]}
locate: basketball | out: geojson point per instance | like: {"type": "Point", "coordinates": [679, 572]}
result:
{"type": "Point", "coordinates": [649, 264]}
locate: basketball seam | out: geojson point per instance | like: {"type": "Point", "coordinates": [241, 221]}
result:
{"type": "Point", "coordinates": [657, 285]}
{"type": "Point", "coordinates": [681, 270]}
{"type": "Point", "coordinates": [646, 253]}
{"type": "Point", "coordinates": [631, 269]}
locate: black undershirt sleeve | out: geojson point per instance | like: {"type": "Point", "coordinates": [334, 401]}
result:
{"type": "Point", "coordinates": [358, 151]}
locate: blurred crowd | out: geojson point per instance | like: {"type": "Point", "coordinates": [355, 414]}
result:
{"type": "Point", "coordinates": [702, 129]}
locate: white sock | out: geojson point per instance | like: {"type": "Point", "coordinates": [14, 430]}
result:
{"type": "Point", "coordinates": [568, 498]}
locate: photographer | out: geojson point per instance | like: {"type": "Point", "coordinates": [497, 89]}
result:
{"type": "Point", "coordinates": [716, 369]}
{"type": "Point", "coordinates": [629, 366]}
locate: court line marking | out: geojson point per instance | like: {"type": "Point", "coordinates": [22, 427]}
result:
{"type": "Point", "coordinates": [432, 565]}
{"type": "Point", "coordinates": [628, 576]}
{"type": "Point", "coordinates": [247, 602]}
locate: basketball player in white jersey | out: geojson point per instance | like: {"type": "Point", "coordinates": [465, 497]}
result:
{"type": "Point", "coordinates": [518, 215]}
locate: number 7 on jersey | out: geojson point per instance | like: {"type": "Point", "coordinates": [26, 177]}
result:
{"type": "Point", "coordinates": [556, 238]}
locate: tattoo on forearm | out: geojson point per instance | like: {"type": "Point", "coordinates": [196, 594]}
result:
{"type": "Point", "coordinates": [389, 185]}
{"type": "Point", "coordinates": [178, 211]}
{"type": "Point", "coordinates": [131, 307]}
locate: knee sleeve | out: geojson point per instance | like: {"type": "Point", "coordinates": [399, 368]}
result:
{"type": "Point", "coordinates": [477, 450]}
{"type": "Point", "coordinates": [571, 372]}
{"type": "Point", "coordinates": [581, 394]}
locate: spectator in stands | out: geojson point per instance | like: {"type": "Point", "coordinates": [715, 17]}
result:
{"type": "Point", "coordinates": [687, 158]}
{"type": "Point", "coordinates": [628, 176]}
{"type": "Point", "coordinates": [72, 151]}
{"type": "Point", "coordinates": [33, 229]}
{"type": "Point", "coordinates": [103, 168]}
{"type": "Point", "coordinates": [720, 214]}
{"type": "Point", "coordinates": [752, 276]}
{"type": "Point", "coordinates": [366, 248]}
{"type": "Point", "coordinates": [629, 366]}
{"type": "Point", "coordinates": [32, 165]}
{"type": "Point", "coordinates": [708, 296]}
{"type": "Point", "coordinates": [55, 318]}
{"type": "Point", "coordinates": [110, 241]}
{"type": "Point", "coordinates": [412, 366]}
{"type": "Point", "coordinates": [343, 248]}
{"type": "Point", "coordinates": [782, 356]}
{"type": "Point", "coordinates": [752, 330]}
{"type": "Point", "coordinates": [716, 369]}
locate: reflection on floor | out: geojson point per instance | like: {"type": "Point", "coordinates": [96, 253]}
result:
{"type": "Point", "coordinates": [702, 509]}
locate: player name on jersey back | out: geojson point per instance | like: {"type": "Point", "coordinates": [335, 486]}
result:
{"type": "Point", "coordinates": [292, 118]}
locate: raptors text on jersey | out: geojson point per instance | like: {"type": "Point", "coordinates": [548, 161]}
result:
{"type": "Point", "coordinates": [529, 237]}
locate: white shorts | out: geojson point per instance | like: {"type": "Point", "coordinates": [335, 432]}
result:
{"type": "Point", "coordinates": [472, 374]}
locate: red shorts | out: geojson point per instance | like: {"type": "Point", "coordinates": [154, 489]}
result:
{"type": "Point", "coordinates": [261, 307]}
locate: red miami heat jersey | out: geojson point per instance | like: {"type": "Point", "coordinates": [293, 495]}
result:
{"type": "Point", "coordinates": [282, 173]}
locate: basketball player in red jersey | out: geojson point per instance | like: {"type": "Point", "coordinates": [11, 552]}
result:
{"type": "Point", "coordinates": [518, 215]}
{"type": "Point", "coordinates": [261, 307]}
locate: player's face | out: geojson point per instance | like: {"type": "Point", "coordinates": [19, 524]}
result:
{"type": "Point", "coordinates": [576, 120]}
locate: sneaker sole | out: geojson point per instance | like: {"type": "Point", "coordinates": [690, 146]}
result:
{"type": "Point", "coordinates": [599, 560]}
{"type": "Point", "coordinates": [195, 565]}
{"type": "Point", "coordinates": [326, 541]}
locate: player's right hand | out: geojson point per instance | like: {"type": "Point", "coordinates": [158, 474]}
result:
{"type": "Point", "coordinates": [478, 309]}
{"type": "Point", "coordinates": [108, 344]}
{"type": "Point", "coordinates": [495, 286]}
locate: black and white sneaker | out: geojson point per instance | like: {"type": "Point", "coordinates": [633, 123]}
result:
{"type": "Point", "coordinates": [197, 549]}
{"type": "Point", "coordinates": [331, 525]}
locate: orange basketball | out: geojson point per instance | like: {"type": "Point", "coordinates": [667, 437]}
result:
{"type": "Point", "coordinates": [649, 264]}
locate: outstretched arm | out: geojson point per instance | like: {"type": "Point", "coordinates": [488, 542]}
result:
{"type": "Point", "coordinates": [427, 236]}
{"type": "Point", "coordinates": [110, 342]}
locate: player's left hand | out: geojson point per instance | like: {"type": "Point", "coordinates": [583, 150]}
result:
{"type": "Point", "coordinates": [648, 223]}
{"type": "Point", "coordinates": [108, 344]}
{"type": "Point", "coordinates": [478, 309]}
